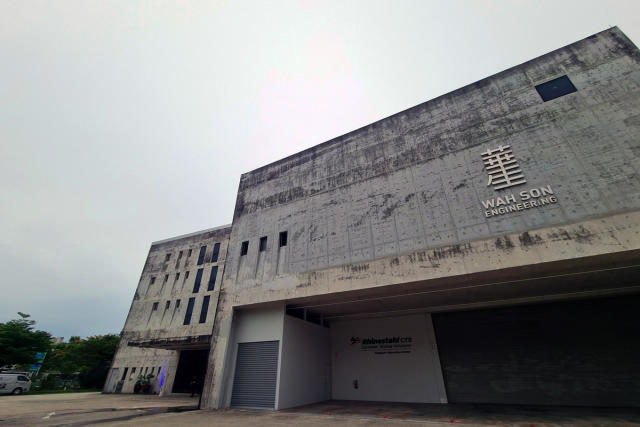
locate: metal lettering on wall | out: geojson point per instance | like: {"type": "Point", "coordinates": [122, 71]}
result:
{"type": "Point", "coordinates": [502, 167]}
{"type": "Point", "coordinates": [386, 345]}
{"type": "Point", "coordinates": [504, 172]}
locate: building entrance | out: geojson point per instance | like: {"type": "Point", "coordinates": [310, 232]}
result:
{"type": "Point", "coordinates": [192, 365]}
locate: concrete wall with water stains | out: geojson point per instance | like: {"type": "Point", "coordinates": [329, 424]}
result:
{"type": "Point", "coordinates": [406, 199]}
{"type": "Point", "coordinates": [154, 328]}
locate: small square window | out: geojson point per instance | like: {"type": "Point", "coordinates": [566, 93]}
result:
{"type": "Point", "coordinates": [244, 248]}
{"type": "Point", "coordinates": [263, 244]}
{"type": "Point", "coordinates": [283, 238]}
{"type": "Point", "coordinates": [167, 305]}
{"type": "Point", "coordinates": [153, 280]}
{"type": "Point", "coordinates": [167, 258]}
{"type": "Point", "coordinates": [155, 306]}
{"type": "Point", "coordinates": [555, 88]}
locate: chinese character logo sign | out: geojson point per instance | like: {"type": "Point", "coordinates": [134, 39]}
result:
{"type": "Point", "coordinates": [502, 167]}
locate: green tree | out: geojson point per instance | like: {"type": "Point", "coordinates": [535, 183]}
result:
{"type": "Point", "coordinates": [95, 357]}
{"type": "Point", "coordinates": [19, 342]}
{"type": "Point", "coordinates": [90, 358]}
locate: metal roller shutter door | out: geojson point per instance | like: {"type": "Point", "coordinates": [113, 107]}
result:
{"type": "Point", "coordinates": [583, 353]}
{"type": "Point", "coordinates": [254, 384]}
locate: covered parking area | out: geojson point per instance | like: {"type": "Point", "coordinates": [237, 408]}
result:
{"type": "Point", "coordinates": [560, 333]}
{"type": "Point", "coordinates": [193, 352]}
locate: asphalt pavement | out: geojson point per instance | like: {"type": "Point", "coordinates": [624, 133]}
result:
{"type": "Point", "coordinates": [88, 409]}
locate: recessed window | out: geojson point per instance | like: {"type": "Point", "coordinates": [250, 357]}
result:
{"type": "Point", "coordinates": [166, 277]}
{"type": "Point", "coordinates": [203, 250]}
{"type": "Point", "coordinates": [167, 305]}
{"type": "Point", "coordinates": [205, 309]}
{"type": "Point", "coordinates": [244, 248]}
{"type": "Point", "coordinates": [212, 278]}
{"type": "Point", "coordinates": [186, 275]}
{"type": "Point", "coordinates": [283, 239]}
{"type": "Point", "coordinates": [177, 276]}
{"type": "Point", "coordinates": [179, 254]}
{"type": "Point", "coordinates": [153, 280]}
{"type": "Point", "coordinates": [196, 285]}
{"type": "Point", "coordinates": [187, 315]}
{"type": "Point", "coordinates": [263, 244]}
{"type": "Point", "coordinates": [555, 88]}
{"type": "Point", "coordinates": [155, 306]}
{"type": "Point", "coordinates": [216, 252]}
{"type": "Point", "coordinates": [124, 374]}
{"type": "Point", "coordinates": [189, 253]}
{"type": "Point", "coordinates": [153, 368]}
{"type": "Point", "coordinates": [167, 257]}
{"type": "Point", "coordinates": [177, 303]}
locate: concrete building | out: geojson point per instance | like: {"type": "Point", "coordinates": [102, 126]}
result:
{"type": "Point", "coordinates": [167, 333]}
{"type": "Point", "coordinates": [483, 247]}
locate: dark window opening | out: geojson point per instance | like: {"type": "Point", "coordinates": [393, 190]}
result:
{"type": "Point", "coordinates": [216, 252]}
{"type": "Point", "coordinates": [177, 276]}
{"type": "Point", "coordinates": [263, 244]}
{"type": "Point", "coordinates": [167, 305]}
{"type": "Point", "coordinates": [153, 280]}
{"type": "Point", "coordinates": [187, 315]}
{"type": "Point", "coordinates": [166, 277]}
{"type": "Point", "coordinates": [205, 309]}
{"type": "Point", "coordinates": [179, 254]}
{"type": "Point", "coordinates": [283, 238]}
{"type": "Point", "coordinates": [186, 275]}
{"type": "Point", "coordinates": [124, 374]}
{"type": "Point", "coordinates": [212, 278]}
{"type": "Point", "coordinates": [203, 250]}
{"type": "Point", "coordinates": [155, 306]}
{"type": "Point", "coordinates": [196, 285]}
{"type": "Point", "coordinates": [177, 303]}
{"type": "Point", "coordinates": [167, 257]}
{"type": "Point", "coordinates": [244, 248]}
{"type": "Point", "coordinates": [555, 88]}
{"type": "Point", "coordinates": [189, 253]}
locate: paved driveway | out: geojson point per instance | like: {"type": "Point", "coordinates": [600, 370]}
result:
{"type": "Point", "coordinates": [83, 409]}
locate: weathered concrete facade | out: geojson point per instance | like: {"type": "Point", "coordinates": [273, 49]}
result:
{"type": "Point", "coordinates": [481, 247]}
{"type": "Point", "coordinates": [158, 326]}
{"type": "Point", "coordinates": [398, 217]}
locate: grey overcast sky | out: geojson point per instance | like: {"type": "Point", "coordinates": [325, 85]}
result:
{"type": "Point", "coordinates": [125, 122]}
